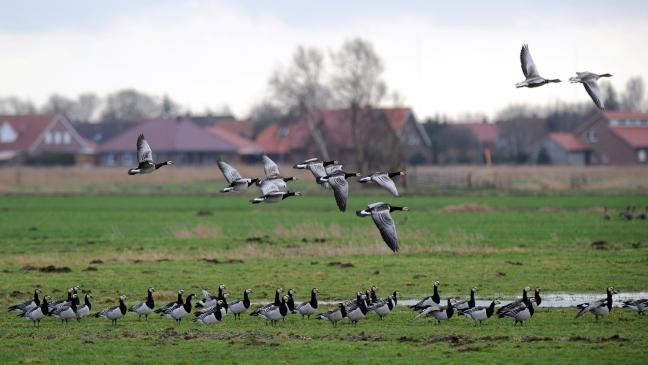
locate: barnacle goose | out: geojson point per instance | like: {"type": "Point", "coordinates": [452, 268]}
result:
{"type": "Point", "coordinates": [334, 315]}
{"type": "Point", "coordinates": [274, 197]}
{"type": "Point", "coordinates": [84, 309]}
{"type": "Point", "coordinates": [276, 302]}
{"type": "Point", "coordinates": [272, 173]}
{"type": "Point", "coordinates": [381, 214]}
{"type": "Point", "coordinates": [114, 313]}
{"type": "Point", "coordinates": [239, 306]}
{"type": "Point", "coordinates": [537, 298]}
{"type": "Point", "coordinates": [359, 311]}
{"type": "Point", "coordinates": [383, 179]}
{"type": "Point", "coordinates": [210, 300]}
{"type": "Point", "coordinates": [27, 305]}
{"type": "Point", "coordinates": [338, 182]}
{"type": "Point", "coordinates": [179, 311]}
{"type": "Point", "coordinates": [145, 158]}
{"type": "Point", "coordinates": [169, 305]}
{"type": "Point", "coordinates": [385, 306]}
{"type": "Point", "coordinates": [211, 316]}
{"type": "Point", "coordinates": [589, 79]}
{"type": "Point", "coordinates": [66, 311]}
{"type": "Point", "coordinates": [431, 300]}
{"type": "Point", "coordinates": [317, 168]}
{"type": "Point", "coordinates": [479, 314]}
{"type": "Point", "coordinates": [520, 312]}
{"type": "Point", "coordinates": [63, 302]}
{"type": "Point", "coordinates": [308, 308]}
{"type": "Point", "coordinates": [599, 308]}
{"type": "Point", "coordinates": [530, 71]}
{"type": "Point", "coordinates": [273, 313]}
{"type": "Point", "coordinates": [234, 179]}
{"type": "Point", "coordinates": [440, 313]}
{"type": "Point", "coordinates": [465, 304]}
{"type": "Point", "coordinates": [145, 307]}
{"type": "Point", "coordinates": [639, 305]}
{"type": "Point", "coordinates": [513, 304]}
{"type": "Point", "coordinates": [35, 314]}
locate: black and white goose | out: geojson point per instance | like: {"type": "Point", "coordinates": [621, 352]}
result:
{"type": "Point", "coordinates": [338, 182]}
{"type": "Point", "coordinates": [35, 314]}
{"type": "Point", "coordinates": [169, 305]}
{"type": "Point", "coordinates": [239, 306]}
{"type": "Point", "coordinates": [372, 294]}
{"type": "Point", "coordinates": [274, 313]}
{"type": "Point", "coordinates": [209, 300]}
{"type": "Point", "coordinates": [638, 305]}
{"type": "Point", "coordinates": [381, 214]}
{"type": "Point", "coordinates": [276, 302]}
{"type": "Point", "coordinates": [359, 311]}
{"type": "Point", "coordinates": [179, 311]}
{"type": "Point", "coordinates": [27, 305]}
{"type": "Point", "coordinates": [513, 304]}
{"type": "Point", "coordinates": [291, 300]}
{"type": "Point", "coordinates": [385, 306]}
{"type": "Point", "coordinates": [589, 81]}
{"type": "Point", "coordinates": [146, 307]}
{"type": "Point", "coordinates": [145, 158]}
{"type": "Point", "coordinates": [114, 313]}
{"type": "Point", "coordinates": [234, 179]}
{"type": "Point", "coordinates": [537, 299]}
{"type": "Point", "coordinates": [308, 308]}
{"type": "Point", "coordinates": [479, 314]}
{"type": "Point", "coordinates": [62, 302]}
{"type": "Point", "coordinates": [468, 303]}
{"type": "Point", "coordinates": [272, 173]}
{"type": "Point", "coordinates": [599, 308]}
{"type": "Point", "coordinates": [212, 316]}
{"type": "Point", "coordinates": [274, 197]}
{"type": "Point", "coordinates": [334, 315]}
{"type": "Point", "coordinates": [434, 299]}
{"type": "Point", "coordinates": [440, 313]}
{"type": "Point", "coordinates": [383, 179]}
{"type": "Point", "coordinates": [520, 313]}
{"type": "Point", "coordinates": [530, 71]}
{"type": "Point", "coordinates": [317, 167]}
{"type": "Point", "coordinates": [84, 309]}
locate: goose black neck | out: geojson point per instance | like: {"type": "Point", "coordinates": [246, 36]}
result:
{"type": "Point", "coordinates": [217, 312]}
{"type": "Point", "coordinates": [122, 306]}
{"type": "Point", "coordinates": [374, 298]}
{"type": "Point", "coordinates": [537, 297]}
{"type": "Point", "coordinates": [283, 307]}
{"type": "Point", "coordinates": [348, 175]}
{"type": "Point", "coordinates": [471, 302]}
{"type": "Point", "coordinates": [246, 299]}
{"type": "Point", "coordinates": [343, 310]}
{"type": "Point", "coordinates": [395, 297]}
{"type": "Point", "coordinates": [180, 301]}
{"type": "Point", "coordinates": [525, 297]}
{"type": "Point", "coordinates": [187, 304]}
{"type": "Point", "coordinates": [391, 209]}
{"type": "Point", "coordinates": [36, 299]}
{"type": "Point", "coordinates": [450, 310]}
{"type": "Point", "coordinates": [69, 298]}
{"type": "Point", "coordinates": [392, 174]}
{"type": "Point", "coordinates": [253, 181]}
{"type": "Point", "coordinates": [313, 300]}
{"type": "Point", "coordinates": [45, 307]}
{"type": "Point", "coordinates": [609, 300]}
{"type": "Point", "coordinates": [277, 300]}
{"type": "Point", "coordinates": [490, 309]}
{"type": "Point", "coordinates": [327, 163]}
{"type": "Point", "coordinates": [220, 293]}
{"type": "Point", "coordinates": [158, 165]}
{"type": "Point", "coordinates": [286, 179]}
{"type": "Point", "coordinates": [435, 296]}
{"type": "Point", "coordinates": [149, 300]}
{"type": "Point", "coordinates": [87, 302]}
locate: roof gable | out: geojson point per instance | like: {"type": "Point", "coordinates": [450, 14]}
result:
{"type": "Point", "coordinates": [568, 141]}
{"type": "Point", "coordinates": [637, 137]}
{"type": "Point", "coordinates": [483, 132]}
{"type": "Point", "coordinates": [28, 129]}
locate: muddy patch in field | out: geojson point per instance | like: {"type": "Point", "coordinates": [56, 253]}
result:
{"type": "Point", "coordinates": [46, 269]}
{"type": "Point", "coordinates": [90, 268]}
{"type": "Point", "coordinates": [96, 262]}
{"type": "Point", "coordinates": [536, 339]}
{"type": "Point", "coordinates": [342, 265]}
{"type": "Point", "coordinates": [204, 213]}
{"type": "Point", "coordinates": [467, 208]}
{"type": "Point", "coordinates": [217, 261]}
{"type": "Point", "coordinates": [599, 245]}
{"type": "Point", "coordinates": [452, 340]}
{"type": "Point", "coordinates": [362, 336]}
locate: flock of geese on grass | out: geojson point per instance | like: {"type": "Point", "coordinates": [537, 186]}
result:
{"type": "Point", "coordinates": [213, 309]}
{"type": "Point", "coordinates": [628, 214]}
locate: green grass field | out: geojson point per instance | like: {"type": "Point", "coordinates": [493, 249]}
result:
{"type": "Point", "coordinates": [498, 242]}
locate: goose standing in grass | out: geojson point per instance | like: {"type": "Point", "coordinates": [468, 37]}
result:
{"type": "Point", "coordinates": [627, 214]}
{"type": "Point", "coordinates": [434, 299]}
{"type": "Point", "coordinates": [210, 300]}
{"type": "Point", "coordinates": [274, 313]}
{"type": "Point", "coordinates": [381, 214]}
{"type": "Point", "coordinates": [513, 304]}
{"type": "Point", "coordinates": [537, 299]}
{"type": "Point", "coordinates": [114, 313]}
{"type": "Point", "coordinates": [35, 314]}
{"type": "Point", "coordinates": [212, 316]}
{"type": "Point", "coordinates": [643, 215]}
{"type": "Point", "coordinates": [274, 197]}
{"type": "Point", "coordinates": [27, 305]}
{"type": "Point", "coordinates": [239, 306]}
{"type": "Point", "coordinates": [146, 307]}
{"type": "Point", "coordinates": [234, 179]}
{"type": "Point", "coordinates": [276, 302]}
{"type": "Point", "coordinates": [479, 314]}
{"type": "Point", "coordinates": [465, 304]}
{"type": "Point", "coordinates": [599, 308]}
{"type": "Point", "coordinates": [519, 313]}
{"type": "Point", "coordinates": [338, 182]}
{"type": "Point", "coordinates": [84, 309]}
{"type": "Point", "coordinates": [334, 315]}
{"type": "Point", "coordinates": [62, 302]}
{"type": "Point", "coordinates": [385, 306]}
{"type": "Point", "coordinates": [317, 168]}
{"type": "Point", "coordinates": [357, 312]}
{"type": "Point", "coordinates": [638, 305]}
{"type": "Point", "coordinates": [179, 311]}
{"type": "Point", "coordinates": [530, 71]}
{"type": "Point", "coordinates": [606, 214]}
{"type": "Point", "coordinates": [145, 158]}
{"type": "Point", "coordinates": [442, 313]}
{"type": "Point", "coordinates": [291, 300]}
{"type": "Point", "coordinates": [308, 308]}
{"type": "Point", "coordinates": [589, 81]}
{"type": "Point", "coordinates": [169, 305]}
{"type": "Point", "coordinates": [384, 180]}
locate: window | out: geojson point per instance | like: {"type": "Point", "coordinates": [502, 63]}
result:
{"type": "Point", "coordinates": [614, 123]}
{"type": "Point", "coordinates": [605, 159]}
{"type": "Point", "coordinates": [641, 155]}
{"type": "Point", "coordinates": [7, 134]}
{"type": "Point", "coordinates": [66, 137]}
{"type": "Point", "coordinates": [57, 137]}
{"type": "Point", "coordinates": [590, 136]}
{"type": "Point", "coordinates": [48, 138]}
{"type": "Point", "coordinates": [109, 159]}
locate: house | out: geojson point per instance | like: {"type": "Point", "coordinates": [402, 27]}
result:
{"type": "Point", "coordinates": [226, 122]}
{"type": "Point", "coordinates": [41, 139]}
{"type": "Point", "coordinates": [616, 138]}
{"type": "Point", "coordinates": [563, 149]}
{"type": "Point", "coordinates": [177, 139]}
{"type": "Point", "coordinates": [485, 135]}
{"type": "Point", "coordinates": [415, 142]}
{"type": "Point", "coordinates": [99, 133]}
{"type": "Point", "coordinates": [247, 150]}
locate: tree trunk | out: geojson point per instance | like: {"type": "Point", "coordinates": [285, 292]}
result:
{"type": "Point", "coordinates": [355, 134]}
{"type": "Point", "coordinates": [316, 134]}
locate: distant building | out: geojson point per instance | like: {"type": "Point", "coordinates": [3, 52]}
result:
{"type": "Point", "coordinates": [484, 133]}
{"type": "Point", "coordinates": [99, 133]}
{"type": "Point", "coordinates": [178, 139]}
{"type": "Point", "coordinates": [226, 122]}
{"type": "Point", "coordinates": [42, 139]}
{"type": "Point", "coordinates": [563, 149]}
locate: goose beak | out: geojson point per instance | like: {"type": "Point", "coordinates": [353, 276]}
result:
{"type": "Point", "coordinates": [405, 209]}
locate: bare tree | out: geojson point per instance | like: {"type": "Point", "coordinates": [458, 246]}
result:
{"type": "Point", "coordinates": [16, 106]}
{"type": "Point", "coordinates": [128, 105]}
{"type": "Point", "coordinates": [611, 100]}
{"type": "Point", "coordinates": [87, 107]}
{"type": "Point", "coordinates": [358, 84]}
{"type": "Point", "coordinates": [300, 88]}
{"type": "Point", "coordinates": [81, 109]}
{"type": "Point", "coordinates": [633, 97]}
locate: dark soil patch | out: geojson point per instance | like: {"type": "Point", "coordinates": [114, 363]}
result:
{"type": "Point", "coordinates": [259, 240]}
{"type": "Point", "coordinates": [46, 269]}
{"type": "Point", "coordinates": [599, 245]}
{"type": "Point", "coordinates": [514, 263]}
{"type": "Point", "coordinates": [500, 274]}
{"type": "Point", "coordinates": [536, 339]}
{"type": "Point", "coordinates": [452, 340]}
{"type": "Point", "coordinates": [96, 262]}
{"type": "Point", "coordinates": [163, 260]}
{"type": "Point", "coordinates": [578, 338]}
{"type": "Point", "coordinates": [495, 338]}
{"type": "Point", "coordinates": [408, 339]}
{"type": "Point", "coordinates": [32, 229]}
{"type": "Point", "coordinates": [636, 245]}
{"type": "Point", "coordinates": [342, 265]}
{"type": "Point", "coordinates": [15, 293]}
{"type": "Point", "coordinates": [362, 336]}
{"type": "Point", "coordinates": [90, 268]}
{"type": "Point", "coordinates": [204, 213]}
{"type": "Point", "coordinates": [614, 338]}
{"type": "Point", "coordinates": [228, 261]}
{"type": "Point", "coordinates": [470, 349]}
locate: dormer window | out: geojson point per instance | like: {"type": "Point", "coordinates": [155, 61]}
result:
{"type": "Point", "coordinates": [7, 134]}
{"type": "Point", "coordinates": [590, 136]}
{"type": "Point", "coordinates": [48, 138]}
{"type": "Point", "coordinates": [57, 137]}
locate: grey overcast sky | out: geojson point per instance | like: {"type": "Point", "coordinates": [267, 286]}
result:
{"type": "Point", "coordinates": [442, 57]}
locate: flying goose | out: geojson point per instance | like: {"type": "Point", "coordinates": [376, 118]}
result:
{"type": "Point", "coordinates": [317, 168]}
{"type": "Point", "coordinates": [479, 314]}
{"type": "Point", "coordinates": [268, 186]}
{"type": "Point", "coordinates": [234, 179]}
{"type": "Point", "coordinates": [639, 305]}
{"type": "Point", "coordinates": [520, 312]}
{"type": "Point", "coordinates": [272, 173]}
{"type": "Point", "coordinates": [145, 158]}
{"type": "Point", "coordinates": [530, 71]}
{"type": "Point", "coordinates": [439, 313]}
{"type": "Point", "coordinates": [359, 311]}
{"type": "Point", "coordinates": [599, 308]}
{"type": "Point", "coordinates": [465, 304]}
{"type": "Point", "coordinates": [588, 79]}
{"type": "Point", "coordinates": [27, 305]}
{"type": "Point", "coordinates": [35, 314]}
{"type": "Point", "coordinates": [239, 306]}
{"type": "Point", "coordinates": [308, 308]}
{"type": "Point", "coordinates": [340, 186]}
{"type": "Point", "coordinates": [434, 299]}
{"type": "Point", "coordinates": [513, 304]}
{"type": "Point", "coordinates": [179, 311]}
{"type": "Point", "coordinates": [169, 305]}
{"type": "Point", "coordinates": [384, 180]}
{"type": "Point", "coordinates": [381, 214]}
{"type": "Point", "coordinates": [274, 313]}
{"type": "Point", "coordinates": [114, 313]}
{"type": "Point", "coordinates": [334, 315]}
{"type": "Point", "coordinates": [145, 307]}
{"type": "Point", "coordinates": [276, 302]}
{"type": "Point", "coordinates": [274, 197]}
{"type": "Point", "coordinates": [212, 316]}
{"type": "Point", "coordinates": [84, 309]}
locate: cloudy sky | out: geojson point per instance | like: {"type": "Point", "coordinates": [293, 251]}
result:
{"type": "Point", "coordinates": [451, 57]}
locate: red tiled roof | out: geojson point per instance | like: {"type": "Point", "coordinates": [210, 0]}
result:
{"type": "Point", "coordinates": [568, 141]}
{"type": "Point", "coordinates": [234, 126]}
{"type": "Point", "coordinates": [397, 117]}
{"type": "Point", "coordinates": [243, 145]}
{"type": "Point", "coordinates": [626, 115]}
{"type": "Point", "coordinates": [278, 138]}
{"type": "Point", "coordinates": [484, 132]}
{"type": "Point", "coordinates": [28, 127]}
{"type": "Point", "coordinates": [169, 135]}
{"type": "Point", "coordinates": [637, 137]}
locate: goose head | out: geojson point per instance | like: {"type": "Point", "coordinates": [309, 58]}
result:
{"type": "Point", "coordinates": [248, 290]}
{"type": "Point", "coordinates": [38, 290]}
{"type": "Point", "coordinates": [122, 297]}
{"type": "Point", "coordinates": [315, 290]}
{"type": "Point", "coordinates": [151, 290]}
{"type": "Point", "coordinates": [605, 75]}
{"type": "Point", "coordinates": [180, 291]}
{"type": "Point", "coordinates": [436, 283]}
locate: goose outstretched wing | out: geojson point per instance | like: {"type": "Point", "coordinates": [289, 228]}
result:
{"type": "Point", "coordinates": [528, 66]}
{"type": "Point", "coordinates": [386, 182]}
{"type": "Point", "coordinates": [229, 172]}
{"type": "Point", "coordinates": [592, 88]}
{"type": "Point", "coordinates": [383, 220]}
{"type": "Point", "coordinates": [340, 190]}
{"type": "Point", "coordinates": [144, 152]}
{"type": "Point", "coordinates": [270, 167]}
